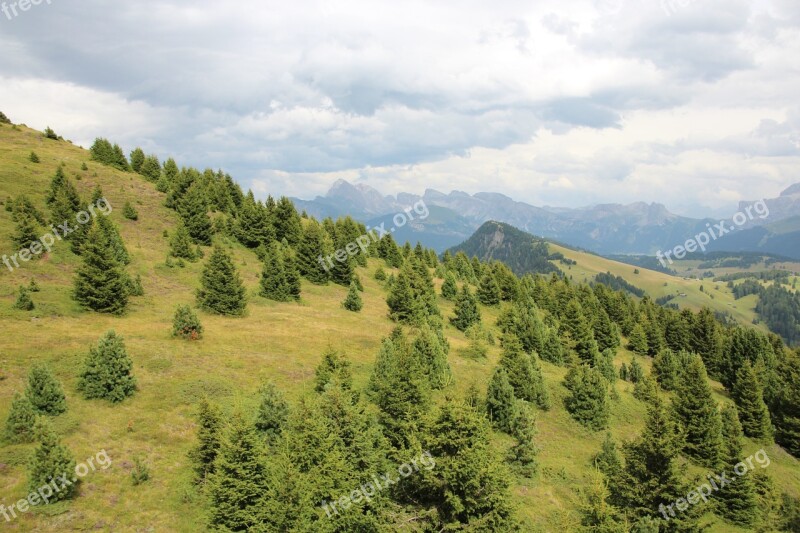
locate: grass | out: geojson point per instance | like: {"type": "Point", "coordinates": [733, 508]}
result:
{"type": "Point", "coordinates": [278, 341]}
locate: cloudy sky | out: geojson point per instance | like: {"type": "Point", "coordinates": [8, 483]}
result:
{"type": "Point", "coordinates": [691, 103]}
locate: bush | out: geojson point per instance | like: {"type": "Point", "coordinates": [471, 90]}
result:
{"type": "Point", "coordinates": [129, 212]}
{"type": "Point", "coordinates": [186, 324]}
{"type": "Point", "coordinates": [33, 157]}
{"type": "Point", "coordinates": [140, 472]}
{"type": "Point", "coordinates": [45, 392]}
{"type": "Point", "coordinates": [24, 302]}
{"type": "Point", "coordinates": [50, 134]}
{"type": "Point", "coordinates": [4, 119]}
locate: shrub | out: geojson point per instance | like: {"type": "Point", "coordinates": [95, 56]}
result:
{"type": "Point", "coordinates": [186, 324]}
{"type": "Point", "coordinates": [33, 158]}
{"type": "Point", "coordinates": [50, 134]}
{"type": "Point", "coordinates": [45, 392]}
{"type": "Point", "coordinates": [129, 212]}
{"type": "Point", "coordinates": [24, 302]}
{"type": "Point", "coordinates": [140, 472]}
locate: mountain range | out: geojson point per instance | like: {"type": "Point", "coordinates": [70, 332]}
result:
{"type": "Point", "coordinates": [637, 228]}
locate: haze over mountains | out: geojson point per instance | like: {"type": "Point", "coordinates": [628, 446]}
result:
{"type": "Point", "coordinates": [637, 228]}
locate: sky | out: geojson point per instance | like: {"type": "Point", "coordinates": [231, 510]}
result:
{"type": "Point", "coordinates": [689, 103]}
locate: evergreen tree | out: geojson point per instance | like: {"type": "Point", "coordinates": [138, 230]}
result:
{"type": "Point", "coordinates": [608, 461]}
{"type": "Point", "coordinates": [637, 341]}
{"type": "Point", "coordinates": [646, 389]}
{"type": "Point", "coordinates": [24, 302]}
{"type": "Point", "coordinates": [524, 453]}
{"type": "Point", "coordinates": [239, 479]}
{"type": "Point", "coordinates": [635, 371]}
{"type": "Point", "coordinates": [194, 212]}
{"type": "Point", "coordinates": [33, 158]}
{"type": "Point", "coordinates": [59, 185]}
{"type": "Point", "coordinates": [588, 401]}
{"type": "Point", "coordinates": [605, 364]}
{"type": "Point", "coordinates": [403, 307]}
{"type": "Point", "coordinates": [380, 274]}
{"type": "Point", "coordinates": [605, 332]}
{"type": "Point", "coordinates": [738, 501]}
{"type": "Point", "coordinates": [706, 340]}
{"type": "Point", "coordinates": [45, 392]}
{"type": "Point", "coordinates": [21, 420]}
{"type": "Point", "coordinates": [466, 310]}
{"type": "Point", "coordinates": [221, 289]}
{"type": "Point", "coordinates": [291, 273]}
{"type": "Point", "coordinates": [209, 423]}
{"type": "Point", "coordinates": [114, 239]}
{"type": "Point", "coordinates": [26, 231]}
{"type": "Point", "coordinates": [597, 514]}
{"type": "Point", "coordinates": [100, 282]}
{"type": "Point", "coordinates": [431, 351]}
{"type": "Point", "coordinates": [137, 159]}
{"type": "Point", "coordinates": [524, 377]}
{"type": "Point", "coordinates": [488, 291]}
{"type": "Point", "coordinates": [787, 404]}
{"type": "Point", "coordinates": [666, 369]}
{"type": "Point", "coordinates": [185, 324]}
{"type": "Point", "coordinates": [51, 461]}
{"type": "Point", "coordinates": [272, 412]}
{"type": "Point", "coordinates": [449, 287]}
{"type": "Point", "coordinates": [311, 251]}
{"type": "Point", "coordinates": [697, 415]}
{"type": "Point", "coordinates": [749, 397]}
{"type": "Point", "coordinates": [353, 300]}
{"type": "Point", "coordinates": [180, 244]}
{"type": "Point", "coordinates": [501, 405]}
{"type": "Point", "coordinates": [333, 371]}
{"type": "Point", "coordinates": [107, 370]}
{"type": "Point", "coordinates": [287, 222]}
{"type": "Point", "coordinates": [273, 275]}
{"type": "Point", "coordinates": [578, 327]}
{"type": "Point", "coordinates": [151, 168]}
{"type": "Point", "coordinates": [129, 212]}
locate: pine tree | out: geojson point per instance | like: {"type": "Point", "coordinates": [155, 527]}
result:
{"type": "Point", "coordinates": [272, 412]}
{"type": "Point", "coordinates": [287, 222]}
{"type": "Point", "coordinates": [185, 324]}
{"type": "Point", "coordinates": [33, 158]}
{"type": "Point", "coordinates": [697, 415]}
{"type": "Point", "coordinates": [738, 498]}
{"type": "Point", "coordinates": [221, 289]}
{"type": "Point", "coordinates": [311, 251]}
{"type": "Point", "coordinates": [605, 332]}
{"type": "Point", "coordinates": [100, 282]}
{"type": "Point", "coordinates": [605, 364]}
{"type": "Point", "coordinates": [137, 159]}
{"type": "Point", "coordinates": [527, 381]}
{"type": "Point", "coordinates": [488, 291]}
{"type": "Point", "coordinates": [26, 230]}
{"type": "Point", "coordinates": [588, 401]}
{"type": "Point", "coordinates": [273, 284]}
{"type": "Point", "coordinates": [180, 244]}
{"type": "Point", "coordinates": [21, 420]}
{"type": "Point", "coordinates": [380, 274]}
{"type": "Point", "coordinates": [107, 370]}
{"type": "Point", "coordinates": [666, 369]}
{"type": "Point", "coordinates": [239, 480]}
{"type": "Point", "coordinates": [209, 423]}
{"type": "Point", "coordinates": [45, 392]}
{"type": "Point", "coordinates": [114, 240]}
{"type": "Point", "coordinates": [51, 461]}
{"type": "Point", "coordinates": [646, 389]}
{"type": "Point", "coordinates": [449, 287]}
{"type": "Point", "coordinates": [749, 397]}
{"type": "Point", "coordinates": [333, 371]}
{"type": "Point", "coordinates": [151, 168]}
{"type": "Point", "coordinates": [292, 273]}
{"type": "Point", "coordinates": [608, 461]}
{"type": "Point", "coordinates": [466, 310]}
{"type": "Point", "coordinates": [501, 404]}
{"type": "Point", "coordinates": [403, 307]}
{"type": "Point", "coordinates": [24, 302]}
{"type": "Point", "coordinates": [430, 349]}
{"type": "Point", "coordinates": [524, 453]}
{"type": "Point", "coordinates": [580, 333]}
{"type": "Point", "coordinates": [637, 341]}
{"type": "Point", "coordinates": [194, 212]}
{"type": "Point", "coordinates": [129, 212]}
{"type": "Point", "coordinates": [353, 300]}
{"type": "Point", "coordinates": [635, 371]}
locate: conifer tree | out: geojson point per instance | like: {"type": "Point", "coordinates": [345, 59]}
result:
{"type": "Point", "coordinates": [180, 244]}
{"type": "Point", "coordinates": [524, 453]}
{"type": "Point", "coordinates": [608, 461]}
{"type": "Point", "coordinates": [552, 349]}
{"type": "Point", "coordinates": [738, 501]}
{"type": "Point", "coordinates": [51, 461]}
{"type": "Point", "coordinates": [24, 302]}
{"type": "Point", "coordinates": [353, 300]}
{"type": "Point", "coordinates": [635, 371]}
{"type": "Point", "coordinates": [605, 364]}
{"type": "Point", "coordinates": [60, 184]}
{"type": "Point", "coordinates": [431, 352]}
{"type": "Point", "coordinates": [137, 159]}
{"type": "Point", "coordinates": [114, 239]}
{"type": "Point", "coordinates": [449, 287]}
{"type": "Point", "coordinates": [45, 392]}
{"type": "Point", "coordinates": [666, 369]}
{"type": "Point", "coordinates": [185, 324]}
{"type": "Point", "coordinates": [21, 420]}
{"type": "Point", "coordinates": [273, 284]}
{"type": "Point", "coordinates": [287, 222]}
{"type": "Point", "coordinates": [151, 168]}
{"type": "Point", "coordinates": [637, 341]}
{"type": "Point", "coordinates": [706, 340]}
{"type": "Point", "coordinates": [33, 158]}
{"type": "Point", "coordinates": [26, 230]}
{"type": "Point", "coordinates": [311, 254]}
{"type": "Point", "coordinates": [605, 332]}
{"type": "Point", "coordinates": [272, 412]}
{"type": "Point", "coordinates": [129, 212]}
{"type": "Point", "coordinates": [342, 271]}
{"type": "Point", "coordinates": [291, 273]}
{"type": "Point", "coordinates": [466, 310]}
{"type": "Point", "coordinates": [749, 397]}
{"type": "Point", "coordinates": [524, 377]}
{"type": "Point", "coordinates": [646, 389]}
{"type": "Point", "coordinates": [588, 401]}
{"type": "Point", "coordinates": [597, 513]}
{"type": "Point", "coordinates": [577, 325]}
{"type": "Point", "coordinates": [239, 479]}
{"type": "Point", "coordinates": [221, 289]}
{"type": "Point", "coordinates": [107, 370]}
{"type": "Point", "coordinates": [697, 415]}
{"type": "Point", "coordinates": [403, 307]}
{"type": "Point", "coordinates": [334, 370]}
{"type": "Point", "coordinates": [501, 404]}
{"type": "Point", "coordinates": [194, 212]}
{"type": "Point", "coordinates": [209, 423]}
{"type": "Point", "coordinates": [488, 291]}
{"type": "Point", "coordinates": [380, 274]}
{"type": "Point", "coordinates": [787, 404]}
{"type": "Point", "coordinates": [100, 282]}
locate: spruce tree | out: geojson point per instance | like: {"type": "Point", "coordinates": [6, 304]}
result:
{"type": "Point", "coordinates": [380, 274]}
{"type": "Point", "coordinates": [588, 401]}
{"type": "Point", "coordinates": [107, 370]}
{"type": "Point", "coordinates": [287, 222]}
{"type": "Point", "coordinates": [26, 230]}
{"type": "Point", "coordinates": [488, 291]}
{"type": "Point", "coordinates": [114, 239]}
{"type": "Point", "coordinates": [605, 332]}
{"type": "Point", "coordinates": [239, 480]}
{"type": "Point", "coordinates": [353, 300]}
{"type": "Point", "coordinates": [333, 371]}
{"type": "Point", "coordinates": [45, 392]}
{"type": "Point", "coordinates": [310, 251]}
{"type": "Point", "coordinates": [185, 324]}
{"type": "Point", "coordinates": [291, 272]}
{"type": "Point", "coordinates": [273, 284]}
{"type": "Point", "coordinates": [21, 420]}
{"type": "Point", "coordinates": [749, 397]}
{"type": "Point", "coordinates": [646, 389]}
{"type": "Point", "coordinates": [431, 352]}
{"type": "Point", "coordinates": [697, 415]}
{"type": "Point", "coordinates": [209, 423]}
{"type": "Point", "coordinates": [194, 212]}
{"type": "Point", "coordinates": [151, 168]}
{"type": "Point", "coordinates": [129, 212]}
{"type": "Point", "coordinates": [449, 287]}
{"type": "Point", "coordinates": [272, 412]}
{"type": "Point", "coordinates": [738, 501]}
{"type": "Point", "coordinates": [137, 159]}
{"type": "Point", "coordinates": [403, 307]}
{"type": "Point", "coordinates": [666, 369]}
{"type": "Point", "coordinates": [637, 341]}
{"type": "Point", "coordinates": [576, 324]}
{"type": "Point", "coordinates": [100, 282]}
{"type": "Point", "coordinates": [524, 453]}
{"type": "Point", "coordinates": [466, 310]}
{"type": "Point", "coordinates": [635, 371]}
{"type": "Point", "coordinates": [24, 302]}
{"type": "Point", "coordinates": [180, 244]}
{"type": "Point", "coordinates": [221, 290]}
{"type": "Point", "coordinates": [501, 404]}
{"type": "Point", "coordinates": [51, 461]}
{"type": "Point", "coordinates": [787, 404]}
{"type": "Point", "coordinates": [608, 461]}
{"type": "Point", "coordinates": [524, 377]}
{"type": "Point", "coordinates": [605, 364]}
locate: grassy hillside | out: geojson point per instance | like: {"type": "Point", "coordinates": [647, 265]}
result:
{"type": "Point", "coordinates": [283, 342]}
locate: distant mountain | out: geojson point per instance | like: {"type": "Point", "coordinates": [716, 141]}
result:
{"type": "Point", "coordinates": [522, 252]}
{"type": "Point", "coordinates": [637, 228]}
{"type": "Point", "coordinates": [779, 238]}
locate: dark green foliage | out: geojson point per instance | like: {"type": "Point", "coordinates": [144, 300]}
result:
{"type": "Point", "coordinates": [749, 397]}
{"type": "Point", "coordinates": [524, 453]}
{"type": "Point", "coordinates": [114, 239]}
{"type": "Point", "coordinates": [185, 324]}
{"type": "Point", "coordinates": [449, 287]}
{"type": "Point", "coordinates": [311, 250]}
{"type": "Point", "coordinates": [357, 281]}
{"type": "Point", "coordinates": [33, 158]}
{"type": "Point", "coordinates": [291, 272]}
{"type": "Point", "coordinates": [431, 351]}
{"type": "Point", "coordinates": [697, 415]}
{"type": "Point", "coordinates": [605, 332]}
{"type": "Point", "coordinates": [287, 222]}
{"type": "Point", "coordinates": [597, 514]}
{"type": "Point", "coordinates": [137, 159]}
{"type": "Point", "coordinates": [97, 193]}
{"type": "Point", "coordinates": [353, 300]}
{"type": "Point", "coordinates": [588, 401]}
{"type": "Point", "coordinates": [221, 289]}
{"type": "Point", "coordinates": [466, 310]}
{"type": "Point", "coordinates": [180, 244]}
{"type": "Point", "coordinates": [135, 287]}
{"type": "Point", "coordinates": [333, 371]}
{"type": "Point", "coordinates": [787, 404]}
{"type": "Point", "coordinates": [608, 461]}
{"type": "Point", "coordinates": [273, 283]}
{"type": "Point", "coordinates": [488, 291]}
{"type": "Point", "coordinates": [129, 212]}
{"type": "Point", "coordinates": [33, 286]}
{"type": "Point", "coordinates": [388, 251]}
{"type": "Point", "coordinates": [635, 371]}
{"type": "Point", "coordinates": [103, 152]}
{"type": "Point", "coordinates": [24, 302]}
{"type": "Point", "coordinates": [194, 212]}
{"type": "Point", "coordinates": [666, 369]}
{"type": "Point", "coordinates": [646, 389]}
{"type": "Point", "coordinates": [578, 328]}
{"type": "Point", "coordinates": [21, 419]}
{"type": "Point", "coordinates": [151, 168]}
{"type": "Point", "coordinates": [403, 306]}
{"type": "Point", "coordinates": [524, 373]}
{"type": "Point", "coordinates": [738, 499]}
{"type": "Point", "coordinates": [380, 274]}
{"type": "Point", "coordinates": [45, 392]}
{"type": "Point", "coordinates": [637, 341]}
{"type": "Point", "coordinates": [239, 480]}
{"type": "Point", "coordinates": [50, 134]}
{"type": "Point", "coordinates": [50, 461]}
{"type": "Point", "coordinates": [209, 423]}
{"type": "Point", "coordinates": [26, 231]}
{"type": "Point", "coordinates": [4, 119]}
{"type": "Point", "coordinates": [605, 364]}
{"type": "Point", "coordinates": [140, 471]}
{"type": "Point", "coordinates": [272, 412]}
{"type": "Point", "coordinates": [501, 403]}
{"type": "Point", "coordinates": [101, 284]}
{"type": "Point", "coordinates": [107, 370]}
